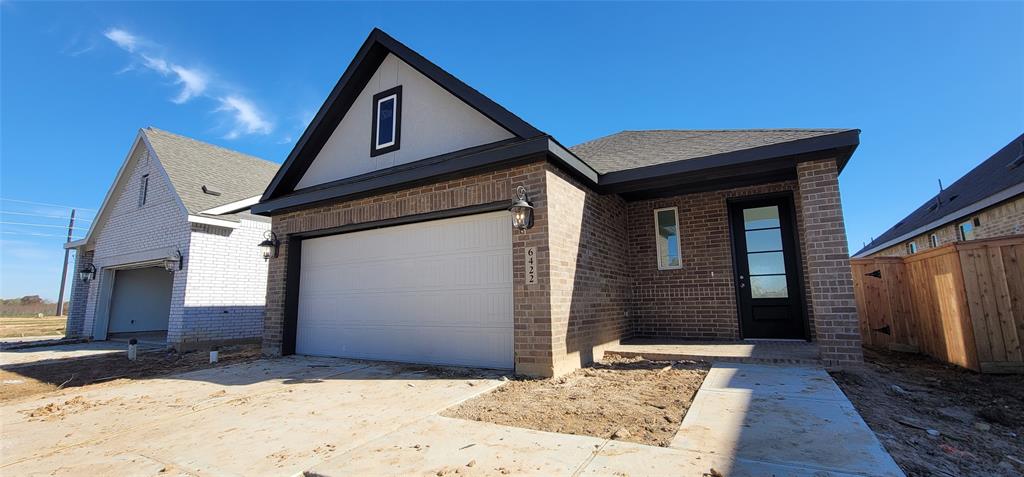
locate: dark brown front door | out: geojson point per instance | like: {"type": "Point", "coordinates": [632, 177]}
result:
{"type": "Point", "coordinates": [764, 246]}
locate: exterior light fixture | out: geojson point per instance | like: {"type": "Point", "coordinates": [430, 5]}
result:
{"type": "Point", "coordinates": [522, 211]}
{"type": "Point", "coordinates": [173, 262]}
{"type": "Point", "coordinates": [270, 245]}
{"type": "Point", "coordinates": [87, 273]}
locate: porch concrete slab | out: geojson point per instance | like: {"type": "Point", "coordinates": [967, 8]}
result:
{"type": "Point", "coordinates": [746, 351]}
{"type": "Point", "coordinates": [42, 354]}
{"type": "Point", "coordinates": [268, 417]}
{"type": "Point", "coordinates": [781, 415]}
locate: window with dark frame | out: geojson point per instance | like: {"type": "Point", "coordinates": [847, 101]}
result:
{"type": "Point", "coordinates": [966, 230]}
{"type": "Point", "coordinates": [666, 228]}
{"type": "Point", "coordinates": [143, 189]}
{"type": "Point", "coordinates": [934, 240]}
{"type": "Point", "coordinates": [386, 129]}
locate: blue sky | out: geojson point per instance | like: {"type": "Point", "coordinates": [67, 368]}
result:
{"type": "Point", "coordinates": [935, 87]}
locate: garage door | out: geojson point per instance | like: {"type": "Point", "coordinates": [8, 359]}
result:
{"type": "Point", "coordinates": [141, 300]}
{"type": "Point", "coordinates": [437, 292]}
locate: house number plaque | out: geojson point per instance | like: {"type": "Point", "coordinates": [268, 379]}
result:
{"type": "Point", "coordinates": [531, 265]}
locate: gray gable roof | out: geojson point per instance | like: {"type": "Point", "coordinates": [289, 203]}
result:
{"type": "Point", "coordinates": [996, 174]}
{"type": "Point", "coordinates": [634, 149]}
{"type": "Point", "coordinates": [192, 164]}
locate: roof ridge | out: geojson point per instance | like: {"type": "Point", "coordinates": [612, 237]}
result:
{"type": "Point", "coordinates": [208, 144]}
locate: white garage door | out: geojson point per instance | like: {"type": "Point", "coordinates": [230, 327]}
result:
{"type": "Point", "coordinates": [436, 292]}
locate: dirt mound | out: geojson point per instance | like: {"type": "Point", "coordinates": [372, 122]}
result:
{"type": "Point", "coordinates": [629, 399]}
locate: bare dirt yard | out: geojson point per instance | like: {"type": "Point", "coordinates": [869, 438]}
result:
{"type": "Point", "coordinates": [17, 327]}
{"type": "Point", "coordinates": [629, 399]}
{"type": "Point", "coordinates": [940, 420]}
{"type": "Point", "coordinates": [24, 381]}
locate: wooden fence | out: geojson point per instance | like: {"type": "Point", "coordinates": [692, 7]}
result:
{"type": "Point", "coordinates": [962, 303]}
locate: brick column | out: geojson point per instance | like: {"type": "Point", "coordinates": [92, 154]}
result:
{"type": "Point", "coordinates": [828, 265]}
{"type": "Point", "coordinates": [79, 296]}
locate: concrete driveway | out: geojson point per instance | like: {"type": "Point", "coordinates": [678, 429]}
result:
{"type": "Point", "coordinates": [316, 416]}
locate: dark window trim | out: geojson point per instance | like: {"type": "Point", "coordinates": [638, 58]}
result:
{"type": "Point", "coordinates": [374, 150]}
{"type": "Point", "coordinates": [143, 189]}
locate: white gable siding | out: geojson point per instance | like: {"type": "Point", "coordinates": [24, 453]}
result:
{"type": "Point", "coordinates": [128, 233]}
{"type": "Point", "coordinates": [433, 122]}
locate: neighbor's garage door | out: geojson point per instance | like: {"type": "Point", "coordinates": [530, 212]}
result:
{"type": "Point", "coordinates": [435, 292]}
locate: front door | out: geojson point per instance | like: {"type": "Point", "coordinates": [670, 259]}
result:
{"type": "Point", "coordinates": [764, 244]}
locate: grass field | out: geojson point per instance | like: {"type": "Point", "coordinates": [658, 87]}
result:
{"type": "Point", "coordinates": [45, 326]}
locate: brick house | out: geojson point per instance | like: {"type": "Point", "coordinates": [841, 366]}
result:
{"type": "Point", "coordinates": [173, 254]}
{"type": "Point", "coordinates": [395, 239]}
{"type": "Point", "coordinates": [986, 202]}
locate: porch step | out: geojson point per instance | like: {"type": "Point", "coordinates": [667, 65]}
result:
{"type": "Point", "coordinates": [751, 352]}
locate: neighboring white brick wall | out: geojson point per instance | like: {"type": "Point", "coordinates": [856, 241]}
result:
{"type": "Point", "coordinates": [227, 283]}
{"type": "Point", "coordinates": [220, 292]}
{"type": "Point", "coordinates": [132, 234]}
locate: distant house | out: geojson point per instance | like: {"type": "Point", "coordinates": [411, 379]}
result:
{"type": "Point", "coordinates": [986, 202]}
{"type": "Point", "coordinates": [173, 254]}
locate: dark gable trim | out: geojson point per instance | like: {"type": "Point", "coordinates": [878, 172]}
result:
{"type": "Point", "coordinates": [369, 57]}
{"type": "Point", "coordinates": [462, 163]}
{"type": "Point", "coordinates": [397, 133]}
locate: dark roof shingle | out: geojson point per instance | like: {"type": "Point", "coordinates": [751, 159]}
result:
{"type": "Point", "coordinates": [634, 149]}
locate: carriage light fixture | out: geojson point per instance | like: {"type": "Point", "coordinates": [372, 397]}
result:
{"type": "Point", "coordinates": [522, 211]}
{"type": "Point", "coordinates": [87, 273]}
{"type": "Point", "coordinates": [173, 262]}
{"type": "Point", "coordinates": [270, 245]}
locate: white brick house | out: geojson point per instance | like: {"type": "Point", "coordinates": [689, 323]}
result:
{"type": "Point", "coordinates": [175, 196]}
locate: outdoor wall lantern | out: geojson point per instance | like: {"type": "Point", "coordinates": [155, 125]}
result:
{"type": "Point", "coordinates": [87, 273]}
{"type": "Point", "coordinates": [269, 245]}
{"type": "Point", "coordinates": [522, 211]}
{"type": "Point", "coordinates": [173, 263]}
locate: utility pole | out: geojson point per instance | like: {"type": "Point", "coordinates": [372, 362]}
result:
{"type": "Point", "coordinates": [64, 271]}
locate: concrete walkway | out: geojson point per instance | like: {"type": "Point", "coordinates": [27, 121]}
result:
{"type": "Point", "coordinates": [781, 415]}
{"type": "Point", "coordinates": [324, 416]}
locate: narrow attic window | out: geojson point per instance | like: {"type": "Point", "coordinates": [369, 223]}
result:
{"type": "Point", "coordinates": [933, 240]}
{"type": "Point", "coordinates": [911, 248]}
{"type": "Point", "coordinates": [207, 190]}
{"type": "Point", "coordinates": [386, 130]}
{"type": "Point", "coordinates": [143, 189]}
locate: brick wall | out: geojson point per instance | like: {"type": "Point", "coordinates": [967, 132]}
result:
{"type": "Point", "coordinates": [1005, 218]}
{"type": "Point", "coordinates": [589, 271]}
{"type": "Point", "coordinates": [697, 301]}
{"type": "Point", "coordinates": [79, 296]}
{"type": "Point", "coordinates": [227, 284]}
{"type": "Point", "coordinates": [828, 264]}
{"type": "Point", "coordinates": [533, 336]}
{"type": "Point", "coordinates": [219, 293]}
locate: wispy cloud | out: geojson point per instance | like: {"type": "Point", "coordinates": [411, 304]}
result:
{"type": "Point", "coordinates": [123, 39]}
{"type": "Point", "coordinates": [246, 117]}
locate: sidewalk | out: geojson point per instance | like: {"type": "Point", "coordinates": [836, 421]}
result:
{"type": "Point", "coordinates": [763, 415]}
